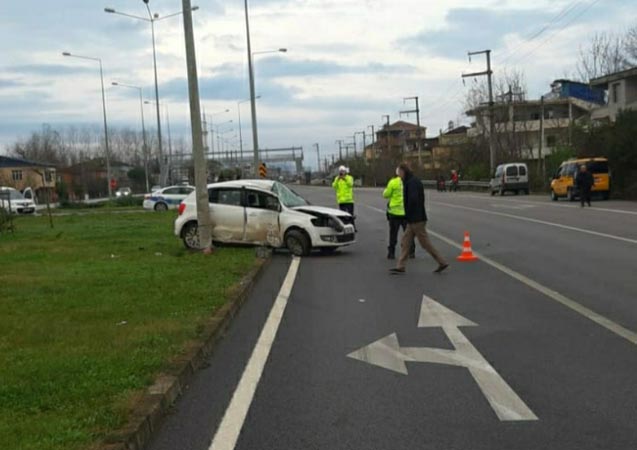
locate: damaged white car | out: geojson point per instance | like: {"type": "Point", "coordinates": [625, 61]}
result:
{"type": "Point", "coordinates": [266, 213]}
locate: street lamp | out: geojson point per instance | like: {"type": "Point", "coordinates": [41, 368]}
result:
{"type": "Point", "coordinates": [141, 108]}
{"type": "Point", "coordinates": [263, 52]}
{"type": "Point", "coordinates": [168, 161]}
{"type": "Point", "coordinates": [106, 143]}
{"type": "Point", "coordinates": [212, 138]}
{"type": "Point", "coordinates": [240, 130]}
{"type": "Point", "coordinates": [152, 18]}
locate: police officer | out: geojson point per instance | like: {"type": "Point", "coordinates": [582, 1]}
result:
{"type": "Point", "coordinates": [393, 193]}
{"type": "Point", "coordinates": [344, 186]}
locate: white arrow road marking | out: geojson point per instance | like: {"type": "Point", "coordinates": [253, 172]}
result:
{"type": "Point", "coordinates": [235, 416]}
{"type": "Point", "coordinates": [388, 354]}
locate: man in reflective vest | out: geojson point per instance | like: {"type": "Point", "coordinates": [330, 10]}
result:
{"type": "Point", "coordinates": [393, 193]}
{"type": "Point", "coordinates": [344, 186]}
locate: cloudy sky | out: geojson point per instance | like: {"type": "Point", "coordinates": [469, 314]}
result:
{"type": "Point", "coordinates": [349, 61]}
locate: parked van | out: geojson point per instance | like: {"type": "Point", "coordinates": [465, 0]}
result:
{"type": "Point", "coordinates": [563, 184]}
{"type": "Point", "coordinates": [513, 177]}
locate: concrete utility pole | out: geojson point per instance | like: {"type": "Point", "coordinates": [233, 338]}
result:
{"type": "Point", "coordinates": [388, 143]}
{"type": "Point", "coordinates": [418, 132]}
{"type": "Point", "coordinates": [318, 156]}
{"type": "Point", "coordinates": [489, 74]}
{"type": "Point", "coordinates": [340, 149]}
{"type": "Point", "coordinates": [201, 176]}
{"type": "Point", "coordinates": [541, 147]}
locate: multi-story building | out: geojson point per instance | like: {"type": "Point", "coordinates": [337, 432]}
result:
{"type": "Point", "coordinates": [530, 129]}
{"type": "Point", "coordinates": [21, 174]}
{"type": "Point", "coordinates": [621, 94]}
{"type": "Point", "coordinates": [397, 139]}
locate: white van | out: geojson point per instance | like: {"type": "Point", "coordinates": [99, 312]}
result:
{"type": "Point", "coordinates": [513, 177]}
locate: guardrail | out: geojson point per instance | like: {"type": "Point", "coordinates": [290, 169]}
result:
{"type": "Point", "coordinates": [466, 185]}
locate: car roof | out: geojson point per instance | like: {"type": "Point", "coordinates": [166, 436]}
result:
{"type": "Point", "coordinates": [258, 184]}
{"type": "Point", "coordinates": [578, 160]}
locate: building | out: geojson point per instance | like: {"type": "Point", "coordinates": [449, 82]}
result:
{"type": "Point", "coordinates": [620, 94]}
{"type": "Point", "coordinates": [396, 139]}
{"type": "Point", "coordinates": [528, 129]}
{"type": "Point", "coordinates": [21, 174]}
{"type": "Point", "coordinates": [89, 178]}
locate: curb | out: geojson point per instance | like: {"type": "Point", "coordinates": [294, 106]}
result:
{"type": "Point", "coordinates": [156, 401]}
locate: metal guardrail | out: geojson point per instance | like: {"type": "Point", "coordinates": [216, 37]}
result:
{"type": "Point", "coordinates": [477, 185]}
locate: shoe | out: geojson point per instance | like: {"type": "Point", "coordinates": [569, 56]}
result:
{"type": "Point", "coordinates": [391, 254]}
{"type": "Point", "coordinates": [397, 271]}
{"type": "Point", "coordinates": [441, 268]}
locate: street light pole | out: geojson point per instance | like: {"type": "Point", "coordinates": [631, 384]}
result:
{"type": "Point", "coordinates": [106, 141]}
{"type": "Point", "coordinates": [145, 142]}
{"type": "Point", "coordinates": [152, 18]}
{"type": "Point", "coordinates": [253, 103]}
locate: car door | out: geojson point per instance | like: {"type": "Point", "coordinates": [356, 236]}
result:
{"type": "Point", "coordinates": [511, 174]}
{"type": "Point", "coordinates": [228, 214]}
{"type": "Point", "coordinates": [171, 196]}
{"type": "Point", "coordinates": [262, 218]}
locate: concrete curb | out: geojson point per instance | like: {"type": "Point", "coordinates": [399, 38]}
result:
{"type": "Point", "coordinates": [149, 410]}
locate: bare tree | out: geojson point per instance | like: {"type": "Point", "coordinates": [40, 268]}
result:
{"type": "Point", "coordinates": [607, 53]}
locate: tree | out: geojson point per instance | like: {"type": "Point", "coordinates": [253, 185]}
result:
{"type": "Point", "coordinates": [607, 53]}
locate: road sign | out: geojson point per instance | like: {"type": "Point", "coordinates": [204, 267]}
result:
{"type": "Point", "coordinates": [263, 170]}
{"type": "Point", "coordinates": [388, 354]}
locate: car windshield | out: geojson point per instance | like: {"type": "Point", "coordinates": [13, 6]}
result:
{"type": "Point", "coordinates": [287, 196]}
{"type": "Point", "coordinates": [13, 194]}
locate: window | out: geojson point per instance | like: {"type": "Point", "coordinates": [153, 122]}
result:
{"type": "Point", "coordinates": [288, 197]}
{"type": "Point", "coordinates": [522, 171]}
{"type": "Point", "coordinates": [597, 166]}
{"type": "Point", "coordinates": [615, 93]}
{"type": "Point", "coordinates": [172, 191]}
{"type": "Point", "coordinates": [261, 200]}
{"type": "Point", "coordinates": [551, 141]}
{"type": "Point", "coordinates": [231, 197]}
{"type": "Point", "coordinates": [512, 171]}
{"type": "Point", "coordinates": [48, 176]}
{"type": "Point", "coordinates": [16, 175]}
{"type": "Point", "coordinates": [186, 190]}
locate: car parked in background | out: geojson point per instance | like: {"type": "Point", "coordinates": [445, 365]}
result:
{"type": "Point", "coordinates": [123, 192]}
{"type": "Point", "coordinates": [512, 177]}
{"type": "Point", "coordinates": [563, 183]}
{"type": "Point", "coordinates": [266, 213]}
{"type": "Point", "coordinates": [167, 198]}
{"type": "Point", "coordinates": [12, 200]}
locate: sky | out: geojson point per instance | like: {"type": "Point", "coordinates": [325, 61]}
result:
{"type": "Point", "coordinates": [349, 62]}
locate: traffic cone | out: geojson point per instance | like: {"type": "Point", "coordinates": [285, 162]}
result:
{"type": "Point", "coordinates": [467, 253]}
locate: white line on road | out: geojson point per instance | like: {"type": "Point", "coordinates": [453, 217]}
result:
{"type": "Point", "coordinates": [541, 222]}
{"type": "Point", "coordinates": [228, 432]}
{"type": "Point", "coordinates": [605, 322]}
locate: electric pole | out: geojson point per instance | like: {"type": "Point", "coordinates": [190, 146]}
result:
{"type": "Point", "coordinates": [418, 134]}
{"type": "Point", "coordinates": [489, 75]}
{"type": "Point", "coordinates": [204, 227]}
{"type": "Point", "coordinates": [318, 156]}
{"type": "Point", "coordinates": [387, 128]}
{"type": "Point", "coordinates": [340, 149]}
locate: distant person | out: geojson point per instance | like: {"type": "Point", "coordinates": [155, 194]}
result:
{"type": "Point", "coordinates": [454, 181]}
{"type": "Point", "coordinates": [344, 186]}
{"type": "Point", "coordinates": [584, 182]}
{"type": "Point", "coordinates": [441, 183]}
{"type": "Point", "coordinates": [416, 218]}
{"type": "Point", "coordinates": [393, 193]}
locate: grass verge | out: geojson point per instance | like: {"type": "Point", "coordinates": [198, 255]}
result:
{"type": "Point", "coordinates": [91, 312]}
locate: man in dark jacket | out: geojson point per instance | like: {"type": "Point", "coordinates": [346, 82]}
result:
{"type": "Point", "coordinates": [584, 182]}
{"type": "Point", "coordinates": [416, 218]}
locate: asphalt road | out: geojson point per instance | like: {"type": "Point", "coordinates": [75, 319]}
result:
{"type": "Point", "coordinates": [534, 347]}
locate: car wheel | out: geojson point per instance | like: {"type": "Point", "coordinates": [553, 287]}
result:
{"type": "Point", "coordinates": [527, 192]}
{"type": "Point", "coordinates": [492, 193]}
{"type": "Point", "coordinates": [297, 243]}
{"type": "Point", "coordinates": [569, 195]}
{"type": "Point", "coordinates": [553, 195]}
{"type": "Point", "coordinates": [517, 192]}
{"type": "Point", "coordinates": [501, 192]}
{"type": "Point", "coordinates": [190, 236]}
{"type": "Point", "coordinates": [606, 195]}
{"type": "Point", "coordinates": [161, 207]}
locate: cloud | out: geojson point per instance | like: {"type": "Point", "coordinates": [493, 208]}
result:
{"type": "Point", "coordinates": [54, 70]}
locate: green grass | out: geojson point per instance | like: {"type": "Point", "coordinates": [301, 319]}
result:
{"type": "Point", "coordinates": [90, 312]}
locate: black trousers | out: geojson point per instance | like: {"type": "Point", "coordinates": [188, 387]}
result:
{"type": "Point", "coordinates": [395, 224]}
{"type": "Point", "coordinates": [347, 207]}
{"type": "Point", "coordinates": [585, 196]}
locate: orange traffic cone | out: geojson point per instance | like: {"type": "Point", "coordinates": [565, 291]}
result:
{"type": "Point", "coordinates": [467, 253]}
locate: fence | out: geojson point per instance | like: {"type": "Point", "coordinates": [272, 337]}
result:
{"type": "Point", "coordinates": [464, 185]}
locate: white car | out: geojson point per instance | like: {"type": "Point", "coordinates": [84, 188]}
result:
{"type": "Point", "coordinates": [167, 198]}
{"type": "Point", "coordinates": [268, 213]}
{"type": "Point", "coordinates": [12, 200]}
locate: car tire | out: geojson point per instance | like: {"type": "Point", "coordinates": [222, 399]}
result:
{"type": "Point", "coordinates": [161, 207]}
{"type": "Point", "coordinates": [569, 195]}
{"type": "Point", "coordinates": [554, 196]}
{"type": "Point", "coordinates": [190, 236]}
{"type": "Point", "coordinates": [492, 193]}
{"type": "Point", "coordinates": [502, 192]}
{"type": "Point", "coordinates": [606, 195]}
{"type": "Point", "coordinates": [297, 243]}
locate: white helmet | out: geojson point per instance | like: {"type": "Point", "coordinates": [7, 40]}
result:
{"type": "Point", "coordinates": [343, 169]}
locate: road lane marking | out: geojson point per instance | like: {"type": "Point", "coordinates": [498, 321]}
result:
{"type": "Point", "coordinates": [603, 321]}
{"type": "Point", "coordinates": [541, 222]}
{"type": "Point", "coordinates": [388, 354]}
{"type": "Point", "coordinates": [228, 432]}
{"type": "Point", "coordinates": [541, 203]}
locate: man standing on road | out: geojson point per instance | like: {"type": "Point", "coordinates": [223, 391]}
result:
{"type": "Point", "coordinates": [416, 217]}
{"type": "Point", "coordinates": [584, 182]}
{"type": "Point", "coordinates": [344, 186]}
{"type": "Point", "coordinates": [393, 193]}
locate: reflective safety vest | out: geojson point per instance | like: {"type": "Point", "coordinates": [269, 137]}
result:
{"type": "Point", "coordinates": [344, 189]}
{"type": "Point", "coordinates": [394, 193]}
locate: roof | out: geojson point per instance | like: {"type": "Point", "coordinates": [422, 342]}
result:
{"type": "Point", "coordinates": [7, 161]}
{"type": "Point", "coordinates": [401, 125]}
{"type": "Point", "coordinates": [462, 129]}
{"type": "Point", "coordinates": [259, 184]}
{"type": "Point", "coordinates": [603, 81]}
